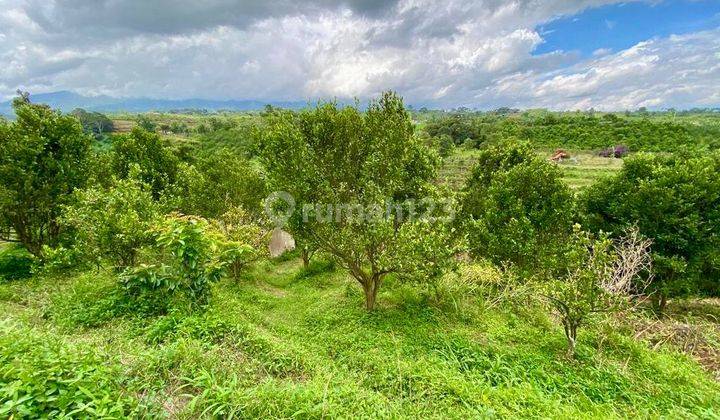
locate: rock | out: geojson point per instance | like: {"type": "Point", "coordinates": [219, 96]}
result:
{"type": "Point", "coordinates": [280, 242]}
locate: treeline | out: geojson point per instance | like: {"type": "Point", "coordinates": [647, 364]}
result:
{"type": "Point", "coordinates": [579, 131]}
{"type": "Point", "coordinates": [170, 223]}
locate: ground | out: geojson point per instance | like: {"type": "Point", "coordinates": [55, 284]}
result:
{"type": "Point", "coordinates": [284, 341]}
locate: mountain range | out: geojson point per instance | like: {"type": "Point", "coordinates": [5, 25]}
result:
{"type": "Point", "coordinates": [67, 101]}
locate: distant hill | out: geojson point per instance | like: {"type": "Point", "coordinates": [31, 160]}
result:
{"type": "Point", "coordinates": [67, 101]}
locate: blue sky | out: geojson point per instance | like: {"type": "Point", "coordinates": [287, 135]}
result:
{"type": "Point", "coordinates": [619, 26]}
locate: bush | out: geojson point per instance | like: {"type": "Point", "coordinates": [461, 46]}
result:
{"type": "Point", "coordinates": [673, 200]}
{"type": "Point", "coordinates": [216, 183]}
{"type": "Point", "coordinates": [15, 263]}
{"type": "Point", "coordinates": [185, 262]}
{"type": "Point", "coordinates": [515, 206]}
{"type": "Point", "coordinates": [600, 277]}
{"type": "Point", "coordinates": [243, 240]}
{"type": "Point", "coordinates": [145, 150]}
{"type": "Point", "coordinates": [44, 157]}
{"type": "Point", "coordinates": [112, 223]}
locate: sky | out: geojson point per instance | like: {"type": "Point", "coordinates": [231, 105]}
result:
{"type": "Point", "coordinates": [556, 54]}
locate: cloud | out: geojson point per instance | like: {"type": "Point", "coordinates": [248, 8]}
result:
{"type": "Point", "coordinates": [445, 54]}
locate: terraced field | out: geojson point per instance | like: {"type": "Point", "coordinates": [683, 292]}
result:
{"type": "Point", "coordinates": [581, 170]}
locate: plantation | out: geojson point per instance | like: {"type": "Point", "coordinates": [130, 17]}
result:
{"type": "Point", "coordinates": [444, 265]}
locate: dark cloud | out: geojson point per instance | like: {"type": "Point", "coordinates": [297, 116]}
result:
{"type": "Point", "coordinates": [110, 18]}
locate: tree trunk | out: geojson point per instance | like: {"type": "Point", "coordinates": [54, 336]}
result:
{"type": "Point", "coordinates": [659, 303]}
{"type": "Point", "coordinates": [305, 257]}
{"type": "Point", "coordinates": [371, 287]}
{"type": "Point", "coordinates": [571, 335]}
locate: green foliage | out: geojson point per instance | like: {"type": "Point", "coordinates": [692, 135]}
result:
{"type": "Point", "coordinates": [112, 223]}
{"type": "Point", "coordinates": [93, 122]}
{"type": "Point", "coordinates": [347, 159]}
{"type": "Point", "coordinates": [243, 240]}
{"type": "Point", "coordinates": [146, 151]}
{"type": "Point", "coordinates": [673, 200]}
{"type": "Point", "coordinates": [44, 157]}
{"type": "Point", "coordinates": [185, 264]}
{"type": "Point", "coordinates": [515, 207]}
{"type": "Point", "coordinates": [583, 131]}
{"type": "Point", "coordinates": [457, 126]}
{"type": "Point", "coordinates": [598, 278]}
{"type": "Point", "coordinates": [146, 123]}
{"type": "Point", "coordinates": [42, 378]}
{"type": "Point", "coordinates": [15, 263]}
{"type": "Point", "coordinates": [216, 183]}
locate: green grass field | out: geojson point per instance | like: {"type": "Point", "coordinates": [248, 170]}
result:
{"type": "Point", "coordinates": [289, 342]}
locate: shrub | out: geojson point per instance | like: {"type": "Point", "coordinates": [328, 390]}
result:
{"type": "Point", "coordinates": [243, 240]}
{"type": "Point", "coordinates": [144, 150]}
{"type": "Point", "coordinates": [344, 157]}
{"type": "Point", "coordinates": [112, 223]}
{"type": "Point", "coordinates": [601, 277]}
{"type": "Point", "coordinates": [40, 378]}
{"type": "Point", "coordinates": [673, 200]}
{"type": "Point", "coordinates": [515, 206]}
{"type": "Point", "coordinates": [216, 183]}
{"type": "Point", "coordinates": [185, 263]}
{"type": "Point", "coordinates": [15, 263]}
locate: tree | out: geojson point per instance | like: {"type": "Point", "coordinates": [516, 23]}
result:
{"type": "Point", "coordinates": [158, 165]}
{"type": "Point", "coordinates": [44, 157]}
{"type": "Point", "coordinates": [674, 201]}
{"type": "Point", "coordinates": [342, 167]}
{"type": "Point", "coordinates": [515, 206]}
{"type": "Point", "coordinates": [146, 123]}
{"type": "Point", "coordinates": [112, 223]}
{"type": "Point", "coordinates": [600, 276]}
{"type": "Point", "coordinates": [93, 122]}
{"type": "Point", "coordinates": [216, 183]}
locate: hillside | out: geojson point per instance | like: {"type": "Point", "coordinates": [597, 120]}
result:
{"type": "Point", "coordinates": [288, 342]}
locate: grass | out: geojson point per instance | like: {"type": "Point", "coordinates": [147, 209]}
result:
{"type": "Point", "coordinates": [581, 170]}
{"type": "Point", "coordinates": [285, 342]}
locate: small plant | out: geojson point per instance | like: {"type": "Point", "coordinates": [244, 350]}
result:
{"type": "Point", "coordinates": [601, 277]}
{"type": "Point", "coordinates": [187, 264]}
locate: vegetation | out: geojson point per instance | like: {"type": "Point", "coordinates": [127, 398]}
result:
{"type": "Point", "coordinates": [673, 200]}
{"type": "Point", "coordinates": [516, 208]}
{"type": "Point", "coordinates": [332, 157]}
{"type": "Point", "coordinates": [44, 158]}
{"type": "Point", "coordinates": [136, 281]}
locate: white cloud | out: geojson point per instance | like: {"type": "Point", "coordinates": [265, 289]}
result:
{"type": "Point", "coordinates": [452, 53]}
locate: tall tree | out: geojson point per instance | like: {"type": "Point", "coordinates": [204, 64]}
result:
{"type": "Point", "coordinates": [44, 157]}
{"type": "Point", "coordinates": [335, 161]}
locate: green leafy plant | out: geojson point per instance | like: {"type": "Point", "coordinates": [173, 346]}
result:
{"type": "Point", "coordinates": [144, 150]}
{"type": "Point", "coordinates": [674, 201]}
{"type": "Point", "coordinates": [44, 157]}
{"type": "Point", "coordinates": [515, 207]}
{"type": "Point", "coordinates": [185, 263]}
{"type": "Point", "coordinates": [112, 223]}
{"type": "Point", "coordinates": [343, 157]}
{"type": "Point", "coordinates": [41, 378]}
{"type": "Point", "coordinates": [601, 276]}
